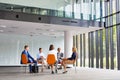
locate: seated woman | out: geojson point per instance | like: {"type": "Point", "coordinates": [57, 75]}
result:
{"type": "Point", "coordinates": [52, 51]}
{"type": "Point", "coordinates": [69, 60]}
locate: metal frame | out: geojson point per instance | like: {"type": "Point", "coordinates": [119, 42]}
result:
{"type": "Point", "coordinates": [92, 49]}
{"type": "Point", "coordinates": [81, 50]}
{"type": "Point", "coordinates": [111, 48]}
{"type": "Point", "coordinates": [101, 48]}
{"type": "Point", "coordinates": [77, 48]}
{"type": "Point", "coordinates": [97, 50]}
{"type": "Point", "coordinates": [84, 50]}
{"type": "Point", "coordinates": [89, 47]}
{"type": "Point", "coordinates": [107, 38]}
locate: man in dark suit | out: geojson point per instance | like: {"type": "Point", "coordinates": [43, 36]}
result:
{"type": "Point", "coordinates": [29, 57]}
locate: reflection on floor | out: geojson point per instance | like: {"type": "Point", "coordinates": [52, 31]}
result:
{"type": "Point", "coordinates": [15, 73]}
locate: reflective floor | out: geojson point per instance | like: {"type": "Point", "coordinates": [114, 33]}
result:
{"type": "Point", "coordinates": [13, 73]}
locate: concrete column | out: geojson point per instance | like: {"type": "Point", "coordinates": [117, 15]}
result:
{"type": "Point", "coordinates": [68, 43]}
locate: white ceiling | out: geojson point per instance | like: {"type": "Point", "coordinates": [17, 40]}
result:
{"type": "Point", "coordinates": [37, 29]}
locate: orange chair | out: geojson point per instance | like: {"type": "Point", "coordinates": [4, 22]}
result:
{"type": "Point", "coordinates": [72, 62]}
{"type": "Point", "coordinates": [24, 60]}
{"type": "Point", "coordinates": [51, 60]}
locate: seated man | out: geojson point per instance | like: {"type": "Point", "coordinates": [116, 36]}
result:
{"type": "Point", "coordinates": [41, 58]}
{"type": "Point", "coordinates": [29, 57]}
{"type": "Point", "coordinates": [71, 59]}
{"type": "Point", "coordinates": [59, 57]}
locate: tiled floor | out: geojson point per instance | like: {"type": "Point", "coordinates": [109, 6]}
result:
{"type": "Point", "coordinates": [13, 73]}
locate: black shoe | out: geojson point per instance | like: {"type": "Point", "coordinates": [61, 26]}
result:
{"type": "Point", "coordinates": [48, 67]}
{"type": "Point", "coordinates": [64, 72]}
{"type": "Point", "coordinates": [31, 72]}
{"type": "Point", "coordinates": [52, 72]}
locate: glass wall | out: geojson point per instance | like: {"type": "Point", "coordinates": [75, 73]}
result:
{"type": "Point", "coordinates": [78, 9]}
{"type": "Point", "coordinates": [103, 46]}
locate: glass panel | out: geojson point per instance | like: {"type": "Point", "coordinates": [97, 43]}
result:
{"type": "Point", "coordinates": [104, 49]}
{"type": "Point", "coordinates": [78, 9]}
{"type": "Point", "coordinates": [86, 46]}
{"type": "Point", "coordinates": [68, 8]}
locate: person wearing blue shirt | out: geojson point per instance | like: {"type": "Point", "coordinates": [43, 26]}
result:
{"type": "Point", "coordinates": [29, 57]}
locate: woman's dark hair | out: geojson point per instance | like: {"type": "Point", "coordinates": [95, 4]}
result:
{"type": "Point", "coordinates": [51, 47]}
{"type": "Point", "coordinates": [40, 49]}
{"type": "Point", "coordinates": [26, 46]}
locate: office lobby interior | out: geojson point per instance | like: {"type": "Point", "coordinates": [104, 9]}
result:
{"type": "Point", "coordinates": [92, 26]}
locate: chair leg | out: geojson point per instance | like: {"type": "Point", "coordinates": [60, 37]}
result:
{"type": "Point", "coordinates": [56, 67]}
{"type": "Point", "coordinates": [75, 69]}
{"type": "Point", "coordinates": [25, 68]}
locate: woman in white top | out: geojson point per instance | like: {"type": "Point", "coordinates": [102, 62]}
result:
{"type": "Point", "coordinates": [52, 51]}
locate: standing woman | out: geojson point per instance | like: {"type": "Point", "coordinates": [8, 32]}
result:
{"type": "Point", "coordinates": [52, 51]}
{"type": "Point", "coordinates": [72, 58]}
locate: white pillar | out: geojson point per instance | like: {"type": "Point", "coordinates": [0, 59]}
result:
{"type": "Point", "coordinates": [68, 43]}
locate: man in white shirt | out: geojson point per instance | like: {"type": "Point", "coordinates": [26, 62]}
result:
{"type": "Point", "coordinates": [41, 58]}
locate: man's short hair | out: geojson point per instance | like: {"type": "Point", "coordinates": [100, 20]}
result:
{"type": "Point", "coordinates": [26, 46]}
{"type": "Point", "coordinates": [40, 49]}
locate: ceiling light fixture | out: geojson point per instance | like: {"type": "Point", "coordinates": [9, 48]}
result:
{"type": "Point", "coordinates": [10, 31]}
{"type": "Point", "coordinates": [1, 31]}
{"type": "Point", "coordinates": [3, 26]}
{"type": "Point", "coordinates": [51, 30]}
{"type": "Point", "coordinates": [14, 27]}
{"type": "Point", "coordinates": [38, 29]}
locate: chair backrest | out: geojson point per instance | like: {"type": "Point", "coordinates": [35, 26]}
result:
{"type": "Point", "coordinates": [72, 61]}
{"type": "Point", "coordinates": [24, 59]}
{"type": "Point", "coordinates": [51, 59]}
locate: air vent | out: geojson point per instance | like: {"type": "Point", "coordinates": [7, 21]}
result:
{"type": "Point", "coordinates": [17, 16]}
{"type": "Point", "coordinates": [39, 18]}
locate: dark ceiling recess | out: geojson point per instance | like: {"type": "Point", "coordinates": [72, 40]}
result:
{"type": "Point", "coordinates": [17, 16]}
{"type": "Point", "coordinates": [39, 18]}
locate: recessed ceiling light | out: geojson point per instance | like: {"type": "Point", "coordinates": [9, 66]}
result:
{"type": "Point", "coordinates": [47, 25]}
{"type": "Point", "coordinates": [3, 26]}
{"type": "Point", "coordinates": [1, 30]}
{"type": "Point", "coordinates": [10, 31]}
{"type": "Point", "coordinates": [38, 29]}
{"type": "Point", "coordinates": [50, 30]}
{"type": "Point", "coordinates": [14, 27]}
